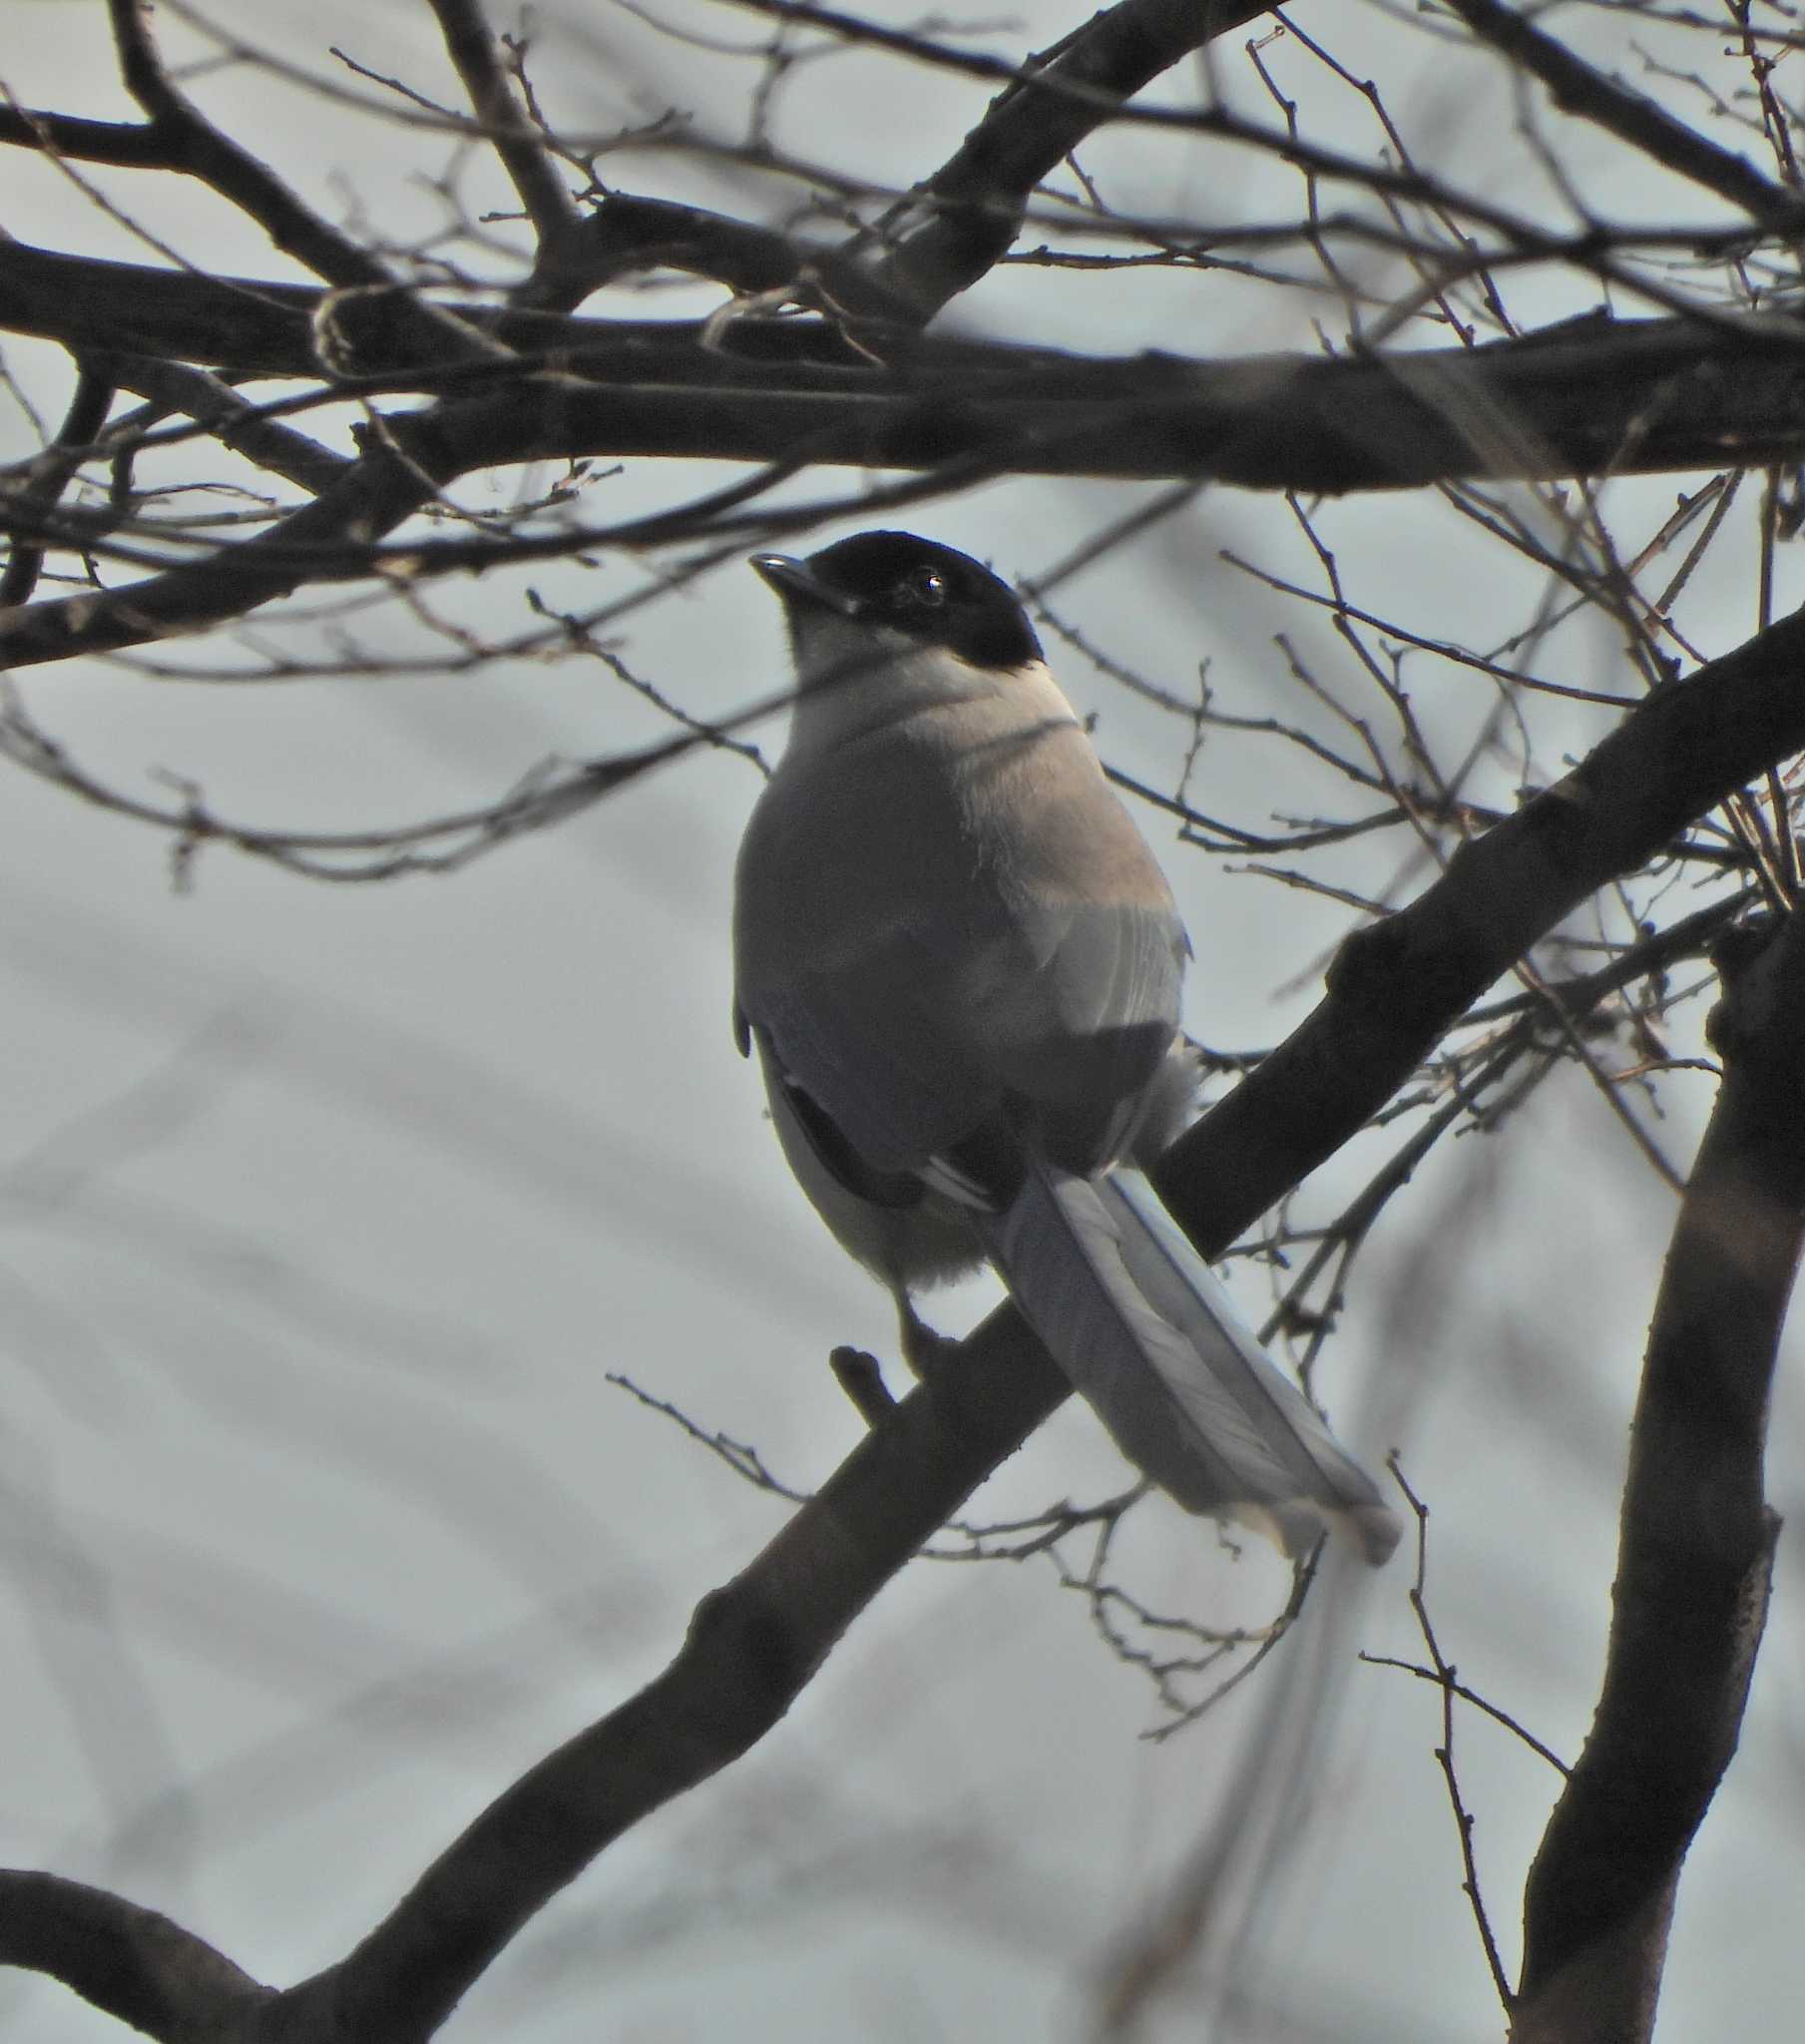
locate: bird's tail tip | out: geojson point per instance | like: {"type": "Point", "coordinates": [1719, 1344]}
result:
{"type": "Point", "coordinates": [1367, 1532]}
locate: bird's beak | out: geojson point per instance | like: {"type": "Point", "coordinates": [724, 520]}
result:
{"type": "Point", "coordinates": [796, 582]}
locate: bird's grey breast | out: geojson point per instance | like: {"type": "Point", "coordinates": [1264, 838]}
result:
{"type": "Point", "coordinates": [952, 915]}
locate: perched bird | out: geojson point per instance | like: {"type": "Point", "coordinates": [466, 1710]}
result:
{"type": "Point", "coordinates": [959, 964]}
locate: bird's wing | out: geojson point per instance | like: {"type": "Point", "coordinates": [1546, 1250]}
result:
{"type": "Point", "coordinates": [1080, 1036]}
{"type": "Point", "coordinates": [1081, 1015]}
{"type": "Point", "coordinates": [868, 1046]}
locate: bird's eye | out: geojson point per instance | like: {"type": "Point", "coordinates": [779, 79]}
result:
{"type": "Point", "coordinates": [927, 587]}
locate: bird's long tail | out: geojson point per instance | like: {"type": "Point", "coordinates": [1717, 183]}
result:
{"type": "Point", "coordinates": [1148, 1336]}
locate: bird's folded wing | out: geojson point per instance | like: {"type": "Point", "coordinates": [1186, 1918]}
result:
{"type": "Point", "coordinates": [919, 1039]}
{"type": "Point", "coordinates": [872, 1055]}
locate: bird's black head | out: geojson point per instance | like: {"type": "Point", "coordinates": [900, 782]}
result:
{"type": "Point", "coordinates": [932, 593]}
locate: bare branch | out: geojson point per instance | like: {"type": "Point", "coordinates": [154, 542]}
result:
{"type": "Point", "coordinates": [1697, 1539]}
{"type": "Point", "coordinates": [372, 497]}
{"type": "Point", "coordinates": [191, 142]}
{"type": "Point", "coordinates": [50, 475]}
{"type": "Point", "coordinates": [119, 143]}
{"type": "Point", "coordinates": [1442, 1672]}
{"type": "Point", "coordinates": [751, 1647]}
{"type": "Point", "coordinates": [128, 1962]}
{"type": "Point", "coordinates": [962, 219]}
{"type": "Point", "coordinates": [625, 233]}
{"type": "Point", "coordinates": [1578, 88]}
{"type": "Point", "coordinates": [499, 107]}
{"type": "Point", "coordinates": [218, 409]}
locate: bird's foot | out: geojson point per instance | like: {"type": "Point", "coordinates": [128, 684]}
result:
{"type": "Point", "coordinates": [927, 1351]}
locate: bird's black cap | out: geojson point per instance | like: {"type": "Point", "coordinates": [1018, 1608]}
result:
{"type": "Point", "coordinates": [933, 593]}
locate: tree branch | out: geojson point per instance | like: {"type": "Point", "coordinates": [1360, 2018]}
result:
{"type": "Point", "coordinates": [1643, 396]}
{"type": "Point", "coordinates": [959, 222]}
{"type": "Point", "coordinates": [1696, 1547]}
{"type": "Point", "coordinates": [471, 47]}
{"type": "Point", "coordinates": [129, 146]}
{"type": "Point", "coordinates": [218, 409]}
{"type": "Point", "coordinates": [371, 498]}
{"type": "Point", "coordinates": [126, 1961]}
{"type": "Point", "coordinates": [49, 474]}
{"type": "Point", "coordinates": [626, 233]}
{"type": "Point", "coordinates": [190, 142]}
{"type": "Point", "coordinates": [751, 1648]}
{"type": "Point", "coordinates": [1586, 398]}
{"type": "Point", "coordinates": [1578, 89]}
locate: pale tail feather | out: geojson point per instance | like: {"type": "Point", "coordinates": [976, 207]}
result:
{"type": "Point", "coordinates": [1148, 1336]}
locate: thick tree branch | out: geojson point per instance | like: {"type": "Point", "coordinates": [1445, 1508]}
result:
{"type": "Point", "coordinates": [1651, 394]}
{"type": "Point", "coordinates": [123, 144]}
{"type": "Point", "coordinates": [958, 223]}
{"type": "Point", "coordinates": [627, 234]}
{"type": "Point", "coordinates": [1587, 397]}
{"type": "Point", "coordinates": [1696, 1545]}
{"type": "Point", "coordinates": [471, 46]}
{"type": "Point", "coordinates": [232, 420]}
{"type": "Point", "coordinates": [751, 1647]}
{"type": "Point", "coordinates": [126, 1961]}
{"type": "Point", "coordinates": [246, 324]}
{"type": "Point", "coordinates": [372, 497]}
{"type": "Point", "coordinates": [1659, 396]}
{"type": "Point", "coordinates": [255, 327]}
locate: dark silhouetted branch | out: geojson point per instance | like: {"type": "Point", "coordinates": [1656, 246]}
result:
{"type": "Point", "coordinates": [751, 1648]}
{"type": "Point", "coordinates": [1696, 1550]}
{"type": "Point", "coordinates": [193, 144]}
{"type": "Point", "coordinates": [126, 1961]}
{"type": "Point", "coordinates": [233, 422]}
{"type": "Point", "coordinates": [127, 146]}
{"type": "Point", "coordinates": [1578, 88]}
{"type": "Point", "coordinates": [959, 222]}
{"type": "Point", "coordinates": [471, 46]}
{"type": "Point", "coordinates": [50, 475]}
